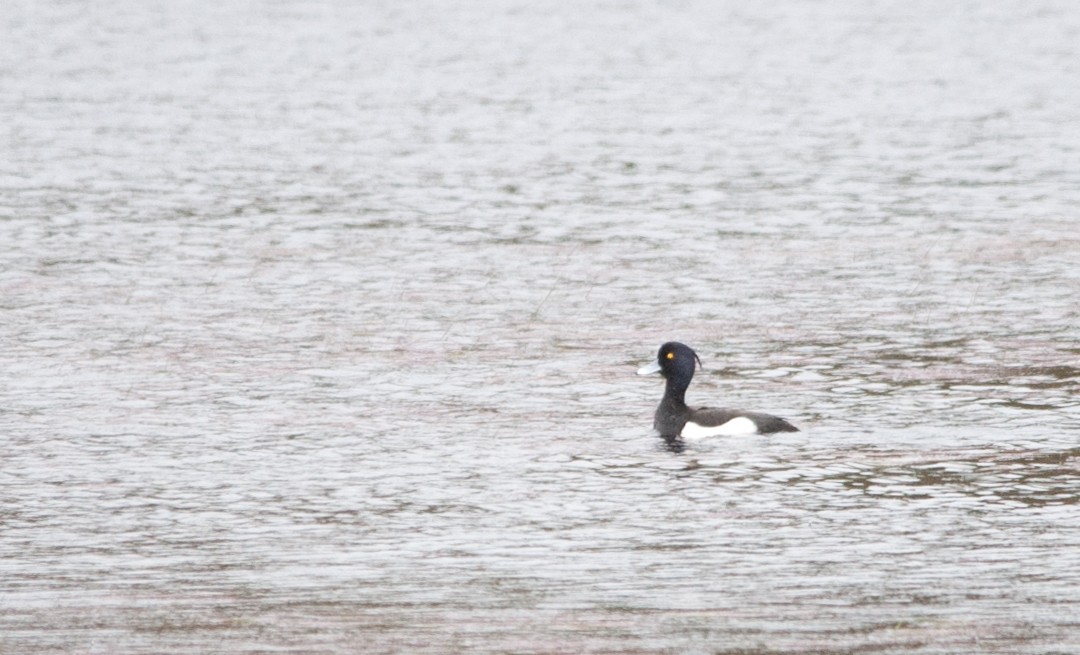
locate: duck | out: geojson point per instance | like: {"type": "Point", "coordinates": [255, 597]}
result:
{"type": "Point", "coordinates": [675, 420]}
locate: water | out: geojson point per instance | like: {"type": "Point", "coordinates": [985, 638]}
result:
{"type": "Point", "coordinates": [319, 325]}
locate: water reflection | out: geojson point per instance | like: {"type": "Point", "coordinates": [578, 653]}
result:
{"type": "Point", "coordinates": [1008, 475]}
{"type": "Point", "coordinates": [674, 444]}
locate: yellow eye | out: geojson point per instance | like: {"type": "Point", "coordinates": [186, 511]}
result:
{"type": "Point", "coordinates": [670, 355]}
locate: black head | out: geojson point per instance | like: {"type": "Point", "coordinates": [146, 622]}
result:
{"type": "Point", "coordinates": [675, 361]}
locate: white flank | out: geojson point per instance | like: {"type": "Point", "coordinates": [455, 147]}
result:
{"type": "Point", "coordinates": [736, 426]}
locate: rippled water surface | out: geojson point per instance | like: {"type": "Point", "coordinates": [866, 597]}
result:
{"type": "Point", "coordinates": [318, 325]}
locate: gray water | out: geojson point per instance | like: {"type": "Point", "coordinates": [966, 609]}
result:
{"type": "Point", "coordinates": [318, 325]}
